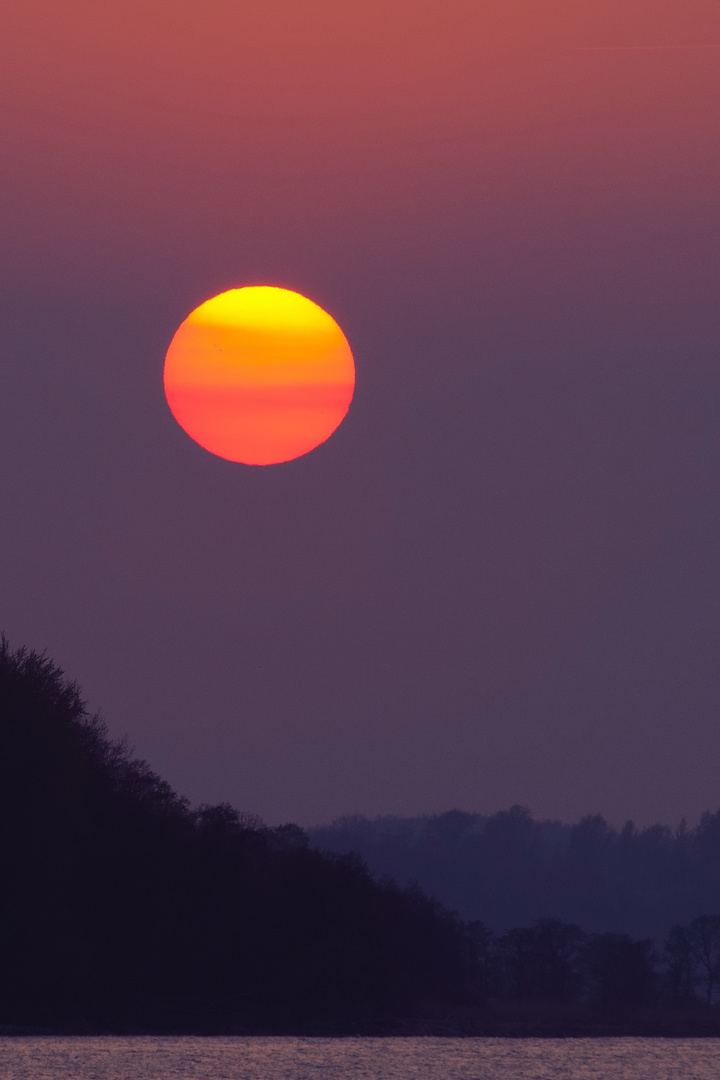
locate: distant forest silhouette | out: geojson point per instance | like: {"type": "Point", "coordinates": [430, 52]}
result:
{"type": "Point", "coordinates": [508, 869]}
{"type": "Point", "coordinates": [124, 909]}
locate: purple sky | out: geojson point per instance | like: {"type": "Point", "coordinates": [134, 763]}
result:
{"type": "Point", "coordinates": [498, 581]}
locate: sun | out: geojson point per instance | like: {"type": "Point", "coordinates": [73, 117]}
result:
{"type": "Point", "coordinates": [259, 375]}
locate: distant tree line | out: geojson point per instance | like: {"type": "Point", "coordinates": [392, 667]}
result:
{"type": "Point", "coordinates": [510, 870]}
{"type": "Point", "coordinates": [555, 961]}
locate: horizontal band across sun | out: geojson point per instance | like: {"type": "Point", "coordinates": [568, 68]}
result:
{"type": "Point", "coordinates": [226, 356]}
{"type": "Point", "coordinates": [260, 425]}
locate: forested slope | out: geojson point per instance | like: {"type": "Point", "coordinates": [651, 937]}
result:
{"type": "Point", "coordinates": [122, 908]}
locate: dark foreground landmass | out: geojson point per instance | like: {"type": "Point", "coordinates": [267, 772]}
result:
{"type": "Point", "coordinates": [121, 908]}
{"type": "Point", "coordinates": [125, 911]}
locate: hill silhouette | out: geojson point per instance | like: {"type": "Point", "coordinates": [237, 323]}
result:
{"type": "Point", "coordinates": [122, 908]}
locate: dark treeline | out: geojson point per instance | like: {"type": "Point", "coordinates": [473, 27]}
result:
{"type": "Point", "coordinates": [121, 908]}
{"type": "Point", "coordinates": [124, 909]}
{"type": "Point", "coordinates": [552, 961]}
{"type": "Point", "coordinates": [510, 870]}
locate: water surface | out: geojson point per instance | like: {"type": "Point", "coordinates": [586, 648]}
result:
{"type": "Point", "coordinates": [149, 1058]}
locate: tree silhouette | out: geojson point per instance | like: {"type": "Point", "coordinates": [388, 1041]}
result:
{"type": "Point", "coordinates": [542, 961]}
{"type": "Point", "coordinates": [122, 908]}
{"type": "Point", "coordinates": [702, 938]}
{"type": "Point", "coordinates": [680, 966]}
{"type": "Point", "coordinates": [618, 970]}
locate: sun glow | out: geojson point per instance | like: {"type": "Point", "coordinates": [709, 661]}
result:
{"type": "Point", "coordinates": [259, 375]}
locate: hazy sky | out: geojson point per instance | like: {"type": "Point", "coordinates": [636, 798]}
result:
{"type": "Point", "coordinates": [498, 581]}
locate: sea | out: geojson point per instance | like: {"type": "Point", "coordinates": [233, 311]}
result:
{"type": "Point", "coordinates": [362, 1058]}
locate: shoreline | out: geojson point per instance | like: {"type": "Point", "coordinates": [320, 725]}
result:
{"type": "Point", "coordinates": [490, 1024]}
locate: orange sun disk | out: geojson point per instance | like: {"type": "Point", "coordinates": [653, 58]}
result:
{"type": "Point", "coordinates": [259, 375]}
